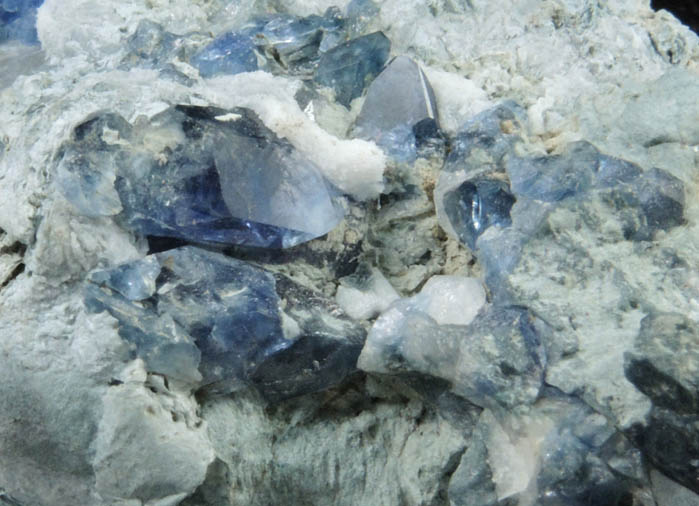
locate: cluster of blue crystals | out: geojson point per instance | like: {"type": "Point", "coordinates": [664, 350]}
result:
{"type": "Point", "coordinates": [313, 46]}
{"type": "Point", "coordinates": [494, 201]}
{"type": "Point", "coordinates": [272, 42]}
{"type": "Point", "coordinates": [18, 20]}
{"type": "Point", "coordinates": [226, 178]}
{"type": "Point", "coordinates": [218, 322]}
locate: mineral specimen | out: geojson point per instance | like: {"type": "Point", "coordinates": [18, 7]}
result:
{"type": "Point", "coordinates": [210, 320]}
{"type": "Point", "coordinates": [491, 355]}
{"type": "Point", "coordinates": [200, 174]}
{"type": "Point", "coordinates": [349, 67]}
{"type": "Point", "coordinates": [398, 99]}
{"type": "Point", "coordinates": [274, 42]}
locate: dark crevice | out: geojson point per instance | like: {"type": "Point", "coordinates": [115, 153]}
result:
{"type": "Point", "coordinates": [15, 272]}
{"type": "Point", "coordinates": [687, 11]}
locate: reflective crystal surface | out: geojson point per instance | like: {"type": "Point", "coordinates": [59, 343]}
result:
{"type": "Point", "coordinates": [274, 42]}
{"type": "Point", "coordinates": [349, 67]}
{"type": "Point", "coordinates": [495, 200]}
{"type": "Point", "coordinates": [216, 321]}
{"type": "Point", "coordinates": [197, 173]}
{"type": "Point", "coordinates": [398, 99]}
{"type": "Point", "coordinates": [495, 360]}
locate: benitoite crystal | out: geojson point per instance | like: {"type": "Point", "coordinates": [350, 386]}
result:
{"type": "Point", "coordinates": [349, 67]}
{"type": "Point", "coordinates": [198, 173]}
{"type": "Point", "coordinates": [273, 42]}
{"type": "Point", "coordinates": [495, 200]}
{"type": "Point", "coordinates": [200, 316]}
{"type": "Point", "coordinates": [398, 99]}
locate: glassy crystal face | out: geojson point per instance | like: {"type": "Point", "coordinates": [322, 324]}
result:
{"type": "Point", "coordinates": [494, 359]}
{"type": "Point", "coordinates": [495, 200]}
{"type": "Point", "coordinates": [398, 99]}
{"type": "Point", "coordinates": [279, 42]}
{"type": "Point", "coordinates": [198, 173]}
{"type": "Point", "coordinates": [349, 67]}
{"type": "Point", "coordinates": [219, 322]}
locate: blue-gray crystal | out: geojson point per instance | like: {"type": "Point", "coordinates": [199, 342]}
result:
{"type": "Point", "coordinates": [478, 204]}
{"type": "Point", "coordinates": [554, 177]}
{"type": "Point", "coordinates": [495, 361]}
{"type": "Point", "coordinates": [398, 99]}
{"type": "Point", "coordinates": [485, 182]}
{"type": "Point", "coordinates": [230, 53]}
{"type": "Point", "coordinates": [150, 46]}
{"type": "Point", "coordinates": [223, 322]}
{"type": "Point", "coordinates": [18, 20]}
{"type": "Point", "coordinates": [349, 67]}
{"type": "Point", "coordinates": [223, 178]}
{"type": "Point", "coordinates": [281, 41]}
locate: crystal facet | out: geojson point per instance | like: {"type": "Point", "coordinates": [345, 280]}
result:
{"type": "Point", "coordinates": [200, 174]}
{"type": "Point", "coordinates": [349, 67]}
{"type": "Point", "coordinates": [216, 321]}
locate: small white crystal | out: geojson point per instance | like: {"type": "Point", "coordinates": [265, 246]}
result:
{"type": "Point", "coordinates": [369, 300]}
{"type": "Point", "coordinates": [453, 300]}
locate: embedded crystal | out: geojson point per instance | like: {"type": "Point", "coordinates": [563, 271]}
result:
{"type": "Point", "coordinates": [349, 67]}
{"type": "Point", "coordinates": [281, 41]}
{"type": "Point", "coordinates": [218, 322]}
{"type": "Point", "coordinates": [230, 53]}
{"type": "Point", "coordinates": [495, 359]}
{"type": "Point", "coordinates": [400, 96]}
{"type": "Point", "coordinates": [197, 173]}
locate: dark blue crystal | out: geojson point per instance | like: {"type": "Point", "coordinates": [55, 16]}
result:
{"type": "Point", "coordinates": [230, 53]}
{"type": "Point", "coordinates": [226, 178]}
{"type": "Point", "coordinates": [476, 205]}
{"type": "Point", "coordinates": [219, 322]}
{"type": "Point", "coordinates": [348, 68]}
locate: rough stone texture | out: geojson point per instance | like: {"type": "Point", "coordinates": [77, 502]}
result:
{"type": "Point", "coordinates": [83, 423]}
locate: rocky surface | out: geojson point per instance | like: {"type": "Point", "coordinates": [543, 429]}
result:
{"type": "Point", "coordinates": [338, 253]}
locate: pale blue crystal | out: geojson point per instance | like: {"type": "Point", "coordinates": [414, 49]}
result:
{"type": "Point", "coordinates": [227, 179]}
{"type": "Point", "coordinates": [230, 53]}
{"type": "Point", "coordinates": [554, 177]}
{"type": "Point", "coordinates": [220, 322]}
{"type": "Point", "coordinates": [274, 42]}
{"type": "Point", "coordinates": [349, 67]}
{"type": "Point", "coordinates": [398, 99]}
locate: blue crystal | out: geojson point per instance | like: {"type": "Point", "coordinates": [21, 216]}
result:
{"type": "Point", "coordinates": [476, 205]}
{"type": "Point", "coordinates": [495, 361]}
{"type": "Point", "coordinates": [349, 67]}
{"type": "Point", "coordinates": [18, 20]}
{"type": "Point", "coordinates": [662, 200]}
{"type": "Point", "coordinates": [398, 99]}
{"type": "Point", "coordinates": [225, 178]}
{"type": "Point", "coordinates": [555, 177]}
{"type": "Point", "coordinates": [280, 41]}
{"type": "Point", "coordinates": [150, 45]}
{"type": "Point", "coordinates": [231, 322]}
{"type": "Point", "coordinates": [230, 53]}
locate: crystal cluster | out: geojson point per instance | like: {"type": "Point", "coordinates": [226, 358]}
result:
{"type": "Point", "coordinates": [228, 311]}
{"type": "Point", "coordinates": [201, 174]}
{"type": "Point", "coordinates": [495, 200]}
{"type": "Point", "coordinates": [207, 319]}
